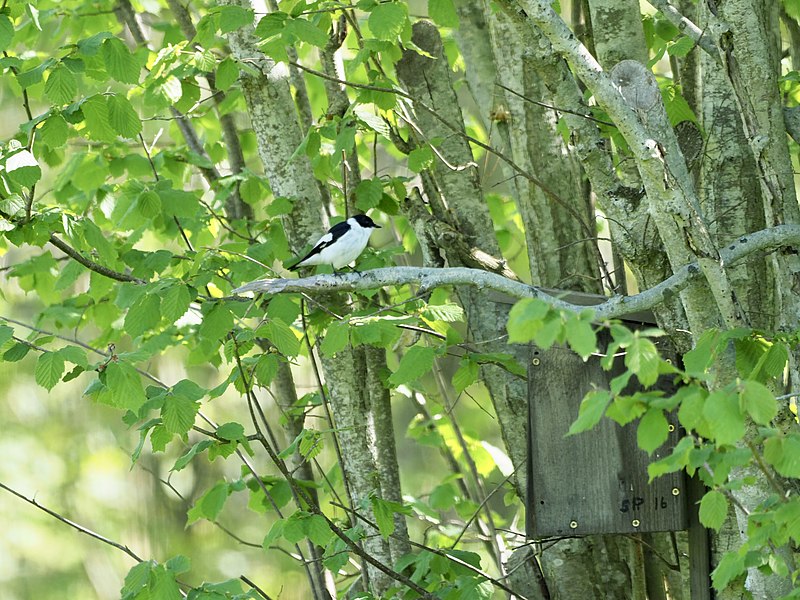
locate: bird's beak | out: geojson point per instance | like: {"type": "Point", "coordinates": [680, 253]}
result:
{"type": "Point", "coordinates": [376, 226]}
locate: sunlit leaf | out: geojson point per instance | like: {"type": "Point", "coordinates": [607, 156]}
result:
{"type": "Point", "coordinates": [416, 362]}
{"type": "Point", "coordinates": [49, 368]}
{"type": "Point", "coordinates": [61, 85]}
{"type": "Point", "coordinates": [119, 61]}
{"type": "Point", "coordinates": [387, 20]}
{"type": "Point", "coordinates": [713, 509]}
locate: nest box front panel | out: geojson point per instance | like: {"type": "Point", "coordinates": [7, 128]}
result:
{"type": "Point", "coordinates": [595, 481]}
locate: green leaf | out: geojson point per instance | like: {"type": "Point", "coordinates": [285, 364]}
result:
{"type": "Point", "coordinates": [184, 460]}
{"type": "Point", "coordinates": [210, 504]}
{"type": "Point", "coordinates": [677, 107]}
{"type": "Point", "coordinates": [90, 45]}
{"type": "Point", "coordinates": [231, 431]}
{"type": "Point", "coordinates": [759, 402]}
{"type": "Point", "coordinates": [232, 18]}
{"type": "Point", "coordinates": [443, 497]}
{"type": "Point", "coordinates": [419, 159]}
{"type": "Point", "coordinates": [775, 360]}
{"type": "Point", "coordinates": [294, 531]}
{"type": "Point", "coordinates": [449, 313]}
{"type": "Point", "coordinates": [125, 386]}
{"type": "Point", "coordinates": [729, 568]}
{"type": "Point", "coordinates": [163, 585]}
{"type": "Point", "coordinates": [17, 352]}
{"type": "Point", "coordinates": [713, 510]}
{"type": "Point", "coordinates": [721, 410]}
{"type": "Point", "coordinates": [551, 330]}
{"type": "Point", "coordinates": [33, 14]}
{"type": "Point", "coordinates": [789, 517]}
{"type": "Point", "coordinates": [283, 308]}
{"type": "Point", "coordinates": [149, 204]}
{"type": "Point", "coordinates": [136, 579]}
{"type": "Point", "coordinates": [783, 453]}
{"type": "Point", "coordinates": [501, 359]}
{"type": "Point", "coordinates": [216, 324]}
{"type": "Point", "coordinates": [318, 530]}
{"type": "Point", "coordinates": [681, 47]}
{"type": "Point", "coordinates": [525, 318]}
{"type": "Point", "coordinates": [336, 338]}
{"type": "Point", "coordinates": [175, 301]}
{"type": "Point", "coordinates": [699, 358]}
{"type": "Point", "coordinates": [61, 85]}
{"type": "Point", "coordinates": [266, 369]}
{"type": "Point", "coordinates": [280, 206]}
{"type": "Point", "coordinates": [227, 74]}
{"type": "Point", "coordinates": [75, 355]}
{"type": "Point", "coordinates": [690, 413]}
{"type": "Point", "coordinates": [178, 413]}
{"type": "Point", "coordinates": [417, 361]}
{"type": "Point", "coordinates": [143, 315]}
{"type": "Point", "coordinates": [23, 169]}
{"type": "Point", "coordinates": [189, 389]}
{"type": "Point", "coordinates": [271, 24]}
{"type": "Point", "coordinates": [676, 461]}
{"type": "Point", "coordinates": [652, 431]}
{"type": "Point", "coordinates": [283, 337]}
{"type": "Point", "coordinates": [465, 376]}
{"type": "Point", "coordinates": [384, 516]}
{"type": "Point", "coordinates": [6, 32]}
{"type": "Point", "coordinates": [33, 76]}
{"type": "Point", "coordinates": [591, 411]}
{"type": "Point", "coordinates": [95, 114]}
{"type": "Point", "coordinates": [387, 20]}
{"type": "Point", "coordinates": [120, 63]}
{"type": "Point", "coordinates": [6, 333]}
{"type": "Point", "coordinates": [625, 409]}
{"type": "Point", "coordinates": [49, 369]}
{"type": "Point", "coordinates": [443, 13]}
{"type": "Point", "coordinates": [311, 444]}
{"type": "Point", "coordinates": [122, 117]}
{"type": "Point", "coordinates": [179, 564]}
{"type": "Point", "coordinates": [642, 358]}
{"type": "Point", "coordinates": [275, 532]}
{"type": "Point", "coordinates": [307, 32]}
{"type": "Point", "coordinates": [581, 337]}
{"type": "Point", "coordinates": [369, 193]}
{"type": "Point", "coordinates": [54, 132]}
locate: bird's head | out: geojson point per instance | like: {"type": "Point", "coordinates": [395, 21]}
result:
{"type": "Point", "coordinates": [365, 222]}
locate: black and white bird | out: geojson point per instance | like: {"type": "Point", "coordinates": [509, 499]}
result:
{"type": "Point", "coordinates": [343, 243]}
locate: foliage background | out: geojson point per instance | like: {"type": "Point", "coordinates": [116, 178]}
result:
{"type": "Point", "coordinates": [119, 152]}
{"type": "Point", "coordinates": [74, 455]}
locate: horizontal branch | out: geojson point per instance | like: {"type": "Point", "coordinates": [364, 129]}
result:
{"type": "Point", "coordinates": [766, 240]}
{"type": "Point", "coordinates": [90, 264]}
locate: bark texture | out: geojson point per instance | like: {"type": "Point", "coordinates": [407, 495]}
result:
{"type": "Point", "coordinates": [278, 134]}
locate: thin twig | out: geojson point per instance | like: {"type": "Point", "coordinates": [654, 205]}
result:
{"type": "Point", "coordinates": [448, 556]}
{"type": "Point", "coordinates": [73, 524]}
{"type": "Point", "coordinates": [556, 108]}
{"type": "Point", "coordinates": [315, 509]}
{"type": "Point", "coordinates": [251, 402]}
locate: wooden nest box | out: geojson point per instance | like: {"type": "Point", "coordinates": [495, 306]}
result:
{"type": "Point", "coordinates": [594, 482]}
